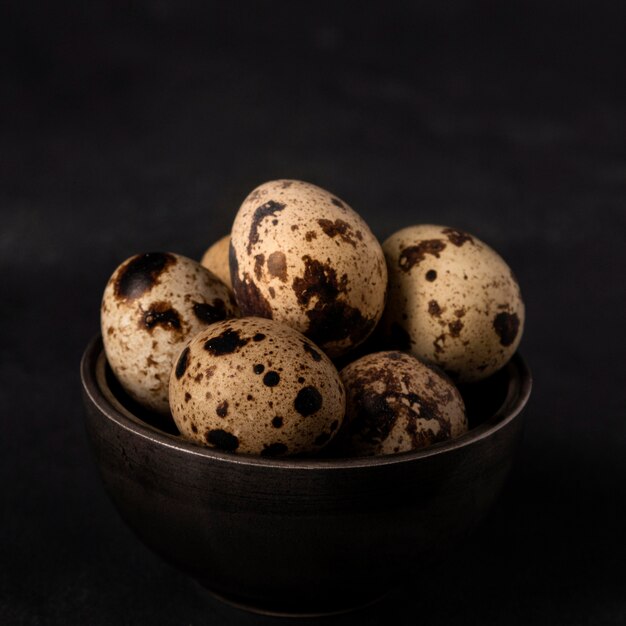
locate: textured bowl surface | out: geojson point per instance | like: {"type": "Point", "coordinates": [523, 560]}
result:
{"type": "Point", "coordinates": [300, 536]}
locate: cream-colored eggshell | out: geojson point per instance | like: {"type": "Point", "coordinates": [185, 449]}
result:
{"type": "Point", "coordinates": [452, 301]}
{"type": "Point", "coordinates": [303, 257]}
{"type": "Point", "coordinates": [397, 403]}
{"type": "Point", "coordinates": [215, 259]}
{"type": "Point", "coordinates": [152, 305]}
{"type": "Point", "coordinates": [255, 386]}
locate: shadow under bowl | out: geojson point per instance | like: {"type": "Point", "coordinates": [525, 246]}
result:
{"type": "Point", "coordinates": [300, 536]}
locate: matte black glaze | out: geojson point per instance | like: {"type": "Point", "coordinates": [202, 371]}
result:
{"type": "Point", "coordinates": [301, 535]}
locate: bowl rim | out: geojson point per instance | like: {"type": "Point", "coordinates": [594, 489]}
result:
{"type": "Point", "coordinates": [92, 368]}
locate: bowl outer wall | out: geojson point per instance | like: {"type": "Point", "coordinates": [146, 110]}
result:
{"type": "Point", "coordinates": [297, 535]}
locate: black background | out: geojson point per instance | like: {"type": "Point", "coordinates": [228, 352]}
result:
{"type": "Point", "coordinates": [128, 127]}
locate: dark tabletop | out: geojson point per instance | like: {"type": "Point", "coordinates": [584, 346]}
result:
{"type": "Point", "coordinates": [142, 126]}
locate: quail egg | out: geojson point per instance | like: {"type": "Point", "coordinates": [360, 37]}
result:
{"type": "Point", "coordinates": [303, 257]}
{"type": "Point", "coordinates": [255, 386]}
{"type": "Point", "coordinates": [452, 301]}
{"type": "Point", "coordinates": [397, 403]}
{"type": "Point", "coordinates": [215, 259]}
{"type": "Point", "coordinates": [152, 305]}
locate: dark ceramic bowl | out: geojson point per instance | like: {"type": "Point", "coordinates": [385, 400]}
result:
{"type": "Point", "coordinates": [300, 536]}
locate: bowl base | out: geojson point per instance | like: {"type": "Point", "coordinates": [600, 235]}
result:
{"type": "Point", "coordinates": [277, 612]}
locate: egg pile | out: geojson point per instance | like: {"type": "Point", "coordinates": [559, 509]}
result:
{"type": "Point", "coordinates": [242, 349]}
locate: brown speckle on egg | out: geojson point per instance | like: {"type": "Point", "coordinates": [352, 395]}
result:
{"type": "Point", "coordinates": [457, 237]}
{"type": "Point", "coordinates": [330, 319]}
{"type": "Point", "coordinates": [338, 228]}
{"type": "Point", "coordinates": [506, 326]}
{"type": "Point", "coordinates": [414, 255]}
{"type": "Point", "coordinates": [308, 401]}
{"type": "Point", "coordinates": [227, 342]}
{"type": "Point", "coordinates": [161, 314]}
{"type": "Point", "coordinates": [259, 260]}
{"type": "Point", "coordinates": [210, 313]}
{"type": "Point", "coordinates": [140, 273]}
{"type": "Point", "coordinates": [222, 439]}
{"type": "Point", "coordinates": [183, 362]}
{"type": "Point", "coordinates": [271, 379]}
{"type": "Point", "coordinates": [455, 328]}
{"type": "Point", "coordinates": [277, 266]}
{"type": "Point", "coordinates": [270, 207]}
{"type": "Point", "coordinates": [250, 299]}
{"type": "Point", "coordinates": [434, 309]}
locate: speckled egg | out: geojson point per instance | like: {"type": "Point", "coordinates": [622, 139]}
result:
{"type": "Point", "coordinates": [397, 403]}
{"type": "Point", "coordinates": [215, 259]}
{"type": "Point", "coordinates": [452, 300]}
{"type": "Point", "coordinates": [303, 257]}
{"type": "Point", "coordinates": [152, 305]}
{"type": "Point", "coordinates": [255, 386]}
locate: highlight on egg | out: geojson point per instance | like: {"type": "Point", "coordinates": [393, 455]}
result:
{"type": "Point", "coordinates": [303, 257]}
{"type": "Point", "coordinates": [152, 305]}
